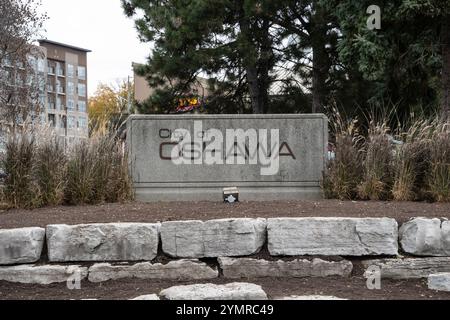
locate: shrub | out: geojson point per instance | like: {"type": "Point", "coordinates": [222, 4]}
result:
{"type": "Point", "coordinates": [411, 162]}
{"type": "Point", "coordinates": [111, 180]}
{"type": "Point", "coordinates": [439, 176]}
{"type": "Point", "coordinates": [3, 203]}
{"type": "Point", "coordinates": [79, 175]}
{"type": "Point", "coordinates": [39, 171]}
{"type": "Point", "coordinates": [120, 187]}
{"type": "Point", "coordinates": [409, 171]}
{"type": "Point", "coordinates": [413, 165]}
{"type": "Point", "coordinates": [20, 189]}
{"type": "Point", "coordinates": [377, 164]}
{"type": "Point", "coordinates": [97, 172]}
{"type": "Point", "coordinates": [49, 170]}
{"type": "Point", "coordinates": [344, 172]}
{"type": "Point", "coordinates": [102, 151]}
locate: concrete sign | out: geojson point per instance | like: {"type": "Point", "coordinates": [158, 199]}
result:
{"type": "Point", "coordinates": [268, 157]}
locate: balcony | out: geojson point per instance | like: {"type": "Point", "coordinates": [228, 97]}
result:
{"type": "Point", "coordinates": [60, 73]}
{"type": "Point", "coordinates": [60, 90]}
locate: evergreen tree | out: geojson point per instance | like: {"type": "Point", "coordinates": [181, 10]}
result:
{"type": "Point", "coordinates": [265, 56]}
{"type": "Point", "coordinates": [403, 61]}
{"type": "Point", "coordinates": [230, 41]}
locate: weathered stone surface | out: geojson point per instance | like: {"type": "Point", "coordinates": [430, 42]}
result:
{"type": "Point", "coordinates": [148, 297]}
{"type": "Point", "coordinates": [332, 236]}
{"type": "Point", "coordinates": [439, 282]}
{"type": "Point", "coordinates": [45, 274]}
{"type": "Point", "coordinates": [174, 270]}
{"type": "Point", "coordinates": [303, 140]}
{"type": "Point", "coordinates": [410, 268]}
{"type": "Point", "coordinates": [103, 242]}
{"type": "Point", "coordinates": [21, 245]}
{"type": "Point", "coordinates": [214, 238]}
{"type": "Point", "coordinates": [426, 237]}
{"type": "Point", "coordinates": [231, 291]}
{"type": "Point", "coordinates": [307, 298]}
{"type": "Point", "coordinates": [298, 268]}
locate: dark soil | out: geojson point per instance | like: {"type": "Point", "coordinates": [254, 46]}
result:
{"type": "Point", "coordinates": [157, 212]}
{"type": "Point", "coordinates": [349, 288]}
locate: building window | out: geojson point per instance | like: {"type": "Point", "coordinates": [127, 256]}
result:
{"type": "Point", "coordinates": [71, 122]}
{"type": "Point", "coordinates": [52, 120]}
{"type": "Point", "coordinates": [81, 90]}
{"type": "Point", "coordinates": [50, 68]}
{"type": "Point", "coordinates": [82, 123]}
{"type": "Point", "coordinates": [82, 73]}
{"type": "Point", "coordinates": [50, 87]}
{"type": "Point", "coordinates": [41, 65]}
{"type": "Point", "coordinates": [82, 106]}
{"type": "Point", "coordinates": [51, 103]}
{"type": "Point", "coordinates": [70, 88]}
{"type": "Point", "coordinates": [70, 105]}
{"type": "Point", "coordinates": [62, 122]}
{"type": "Point", "coordinates": [59, 69]}
{"type": "Point", "coordinates": [59, 87]}
{"type": "Point", "coordinates": [42, 99]}
{"type": "Point", "coordinates": [70, 70]}
{"type": "Point", "coordinates": [58, 103]}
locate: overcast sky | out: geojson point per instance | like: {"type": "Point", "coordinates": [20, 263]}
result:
{"type": "Point", "coordinates": [101, 26]}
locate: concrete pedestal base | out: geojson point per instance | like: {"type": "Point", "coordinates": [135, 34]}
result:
{"type": "Point", "coordinates": [215, 194]}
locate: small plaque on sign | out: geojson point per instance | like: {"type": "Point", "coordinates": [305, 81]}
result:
{"type": "Point", "coordinates": [231, 195]}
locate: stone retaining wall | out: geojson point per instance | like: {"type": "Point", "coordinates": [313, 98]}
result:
{"type": "Point", "coordinates": [233, 242]}
{"type": "Point", "coordinates": [298, 268]}
{"type": "Point", "coordinates": [214, 238]}
{"type": "Point", "coordinates": [181, 270]}
{"type": "Point", "coordinates": [426, 237]}
{"type": "Point", "coordinates": [46, 274]}
{"type": "Point", "coordinates": [409, 268]}
{"type": "Point", "coordinates": [21, 245]}
{"type": "Point", "coordinates": [332, 236]}
{"type": "Point", "coordinates": [103, 242]}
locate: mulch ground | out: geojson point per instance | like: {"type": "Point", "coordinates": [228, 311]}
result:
{"type": "Point", "coordinates": [348, 288]}
{"type": "Point", "coordinates": [158, 212]}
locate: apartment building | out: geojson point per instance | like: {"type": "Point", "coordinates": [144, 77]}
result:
{"type": "Point", "coordinates": [59, 73]}
{"type": "Point", "coordinates": [66, 95]}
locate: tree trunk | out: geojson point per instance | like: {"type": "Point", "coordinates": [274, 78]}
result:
{"type": "Point", "coordinates": [253, 87]}
{"type": "Point", "coordinates": [318, 36]}
{"type": "Point", "coordinates": [251, 60]}
{"type": "Point", "coordinates": [445, 96]}
{"type": "Point", "coordinates": [265, 62]}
